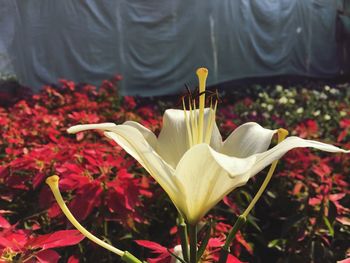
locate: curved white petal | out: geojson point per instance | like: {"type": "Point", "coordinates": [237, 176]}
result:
{"type": "Point", "coordinates": [266, 158]}
{"type": "Point", "coordinates": [85, 127]}
{"type": "Point", "coordinates": [248, 139]}
{"type": "Point", "coordinates": [137, 141]}
{"type": "Point", "coordinates": [147, 133]}
{"type": "Point", "coordinates": [173, 139]}
{"type": "Point", "coordinates": [203, 177]}
{"type": "Point", "coordinates": [133, 142]}
{"type": "Point", "coordinates": [216, 138]}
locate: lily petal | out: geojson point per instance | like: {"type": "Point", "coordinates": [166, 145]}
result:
{"type": "Point", "coordinates": [203, 176]}
{"type": "Point", "coordinates": [248, 139]}
{"type": "Point", "coordinates": [147, 133]}
{"type": "Point", "coordinates": [85, 127]}
{"type": "Point", "coordinates": [266, 158]}
{"type": "Point", "coordinates": [133, 142]}
{"type": "Point", "coordinates": [173, 140]}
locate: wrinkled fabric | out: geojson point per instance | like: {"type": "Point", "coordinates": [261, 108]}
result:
{"type": "Point", "coordinates": [157, 45]}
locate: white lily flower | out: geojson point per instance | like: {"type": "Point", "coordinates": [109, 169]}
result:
{"type": "Point", "coordinates": [189, 159]}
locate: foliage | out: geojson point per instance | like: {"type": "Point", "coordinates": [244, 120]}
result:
{"type": "Point", "coordinates": [302, 217]}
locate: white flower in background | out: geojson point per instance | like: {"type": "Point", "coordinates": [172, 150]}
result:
{"type": "Point", "coordinates": [279, 88]}
{"type": "Point", "coordinates": [283, 100]}
{"type": "Point", "coordinates": [323, 96]}
{"type": "Point", "coordinates": [177, 252]}
{"type": "Point", "coordinates": [334, 91]}
{"type": "Point", "coordinates": [291, 101]}
{"type": "Point", "coordinates": [189, 159]}
{"type": "Point", "coordinates": [326, 117]}
{"type": "Point", "coordinates": [300, 110]}
{"type": "Point", "coordinates": [316, 113]}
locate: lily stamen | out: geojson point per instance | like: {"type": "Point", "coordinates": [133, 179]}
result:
{"type": "Point", "coordinates": [211, 122]}
{"type": "Point", "coordinates": [194, 123]}
{"type": "Point", "coordinates": [189, 132]}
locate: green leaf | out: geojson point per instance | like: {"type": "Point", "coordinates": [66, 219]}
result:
{"type": "Point", "coordinates": [277, 243]}
{"type": "Point", "coordinates": [252, 221]}
{"type": "Point", "coordinates": [204, 242]}
{"type": "Point", "coordinates": [329, 226]}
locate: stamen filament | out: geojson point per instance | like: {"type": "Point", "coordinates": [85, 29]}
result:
{"type": "Point", "coordinates": [52, 181]}
{"type": "Point", "coordinates": [192, 122]}
{"type": "Point", "coordinates": [211, 122]}
{"type": "Point", "coordinates": [189, 133]}
{"type": "Point", "coordinates": [195, 123]}
{"type": "Point", "coordinates": [202, 74]}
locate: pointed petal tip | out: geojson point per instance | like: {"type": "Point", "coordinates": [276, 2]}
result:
{"type": "Point", "coordinates": [84, 127]}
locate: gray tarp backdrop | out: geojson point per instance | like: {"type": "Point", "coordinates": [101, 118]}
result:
{"type": "Point", "coordinates": [157, 45]}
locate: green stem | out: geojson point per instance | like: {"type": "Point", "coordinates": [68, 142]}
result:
{"type": "Point", "coordinates": [193, 243]}
{"type": "Point", "coordinates": [226, 248]}
{"type": "Point", "coordinates": [130, 258]}
{"type": "Point", "coordinates": [182, 227]}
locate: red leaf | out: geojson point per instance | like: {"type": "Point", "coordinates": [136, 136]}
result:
{"type": "Point", "coordinates": [155, 247]}
{"type": "Point", "coordinates": [4, 223]}
{"type": "Point", "coordinates": [215, 242]}
{"type": "Point", "coordinates": [336, 197]}
{"type": "Point", "coordinates": [344, 220]}
{"type": "Point", "coordinates": [57, 239]}
{"type": "Point", "coordinates": [232, 259]}
{"type": "Point", "coordinates": [347, 260]}
{"type": "Point", "coordinates": [342, 135]}
{"type": "Point", "coordinates": [86, 200]}
{"type": "Point", "coordinates": [6, 243]}
{"type": "Point", "coordinates": [73, 259]}
{"type": "Point", "coordinates": [47, 256]}
{"type": "Point", "coordinates": [38, 178]}
{"type": "Point", "coordinates": [315, 201]}
{"type": "Point", "coordinates": [14, 240]}
{"type": "Point", "coordinates": [244, 243]}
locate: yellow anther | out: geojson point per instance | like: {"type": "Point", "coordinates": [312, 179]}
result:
{"type": "Point", "coordinates": [282, 134]}
{"type": "Point", "coordinates": [52, 180]}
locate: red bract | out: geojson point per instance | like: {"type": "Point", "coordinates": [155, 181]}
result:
{"type": "Point", "coordinates": [307, 129]}
{"type": "Point", "coordinates": [164, 255]}
{"type": "Point", "coordinates": [25, 246]}
{"type": "Point", "coordinates": [345, 125]}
